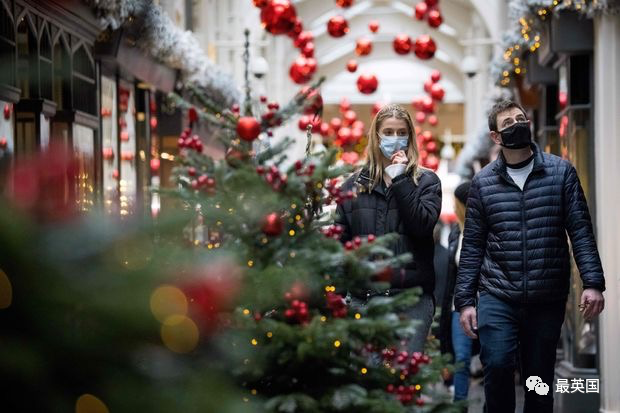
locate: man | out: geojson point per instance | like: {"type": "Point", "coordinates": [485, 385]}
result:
{"type": "Point", "coordinates": [515, 254]}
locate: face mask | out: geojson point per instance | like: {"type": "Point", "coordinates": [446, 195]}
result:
{"type": "Point", "coordinates": [389, 145]}
{"type": "Point", "coordinates": [517, 136]}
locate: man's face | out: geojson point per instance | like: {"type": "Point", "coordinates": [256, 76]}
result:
{"type": "Point", "coordinates": [505, 120]}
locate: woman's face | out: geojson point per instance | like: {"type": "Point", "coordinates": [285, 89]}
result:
{"type": "Point", "coordinates": [393, 127]}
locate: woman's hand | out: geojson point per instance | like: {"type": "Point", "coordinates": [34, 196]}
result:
{"type": "Point", "coordinates": [399, 157]}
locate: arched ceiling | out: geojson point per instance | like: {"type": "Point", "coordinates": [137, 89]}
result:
{"type": "Point", "coordinates": [400, 77]}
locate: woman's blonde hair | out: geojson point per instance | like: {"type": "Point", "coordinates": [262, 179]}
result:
{"type": "Point", "coordinates": [374, 159]}
{"type": "Point", "coordinates": [459, 211]}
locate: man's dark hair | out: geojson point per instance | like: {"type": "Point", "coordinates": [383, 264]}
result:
{"type": "Point", "coordinates": [499, 107]}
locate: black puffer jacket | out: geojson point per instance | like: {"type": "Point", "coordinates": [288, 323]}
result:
{"type": "Point", "coordinates": [515, 243]}
{"type": "Point", "coordinates": [405, 208]}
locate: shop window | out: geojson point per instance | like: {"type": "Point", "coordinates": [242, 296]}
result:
{"type": "Point", "coordinates": [127, 127]}
{"type": "Point", "coordinates": [84, 87]}
{"type": "Point", "coordinates": [7, 47]}
{"type": "Point", "coordinates": [26, 58]}
{"type": "Point", "coordinates": [109, 136]}
{"type": "Point", "coordinates": [84, 151]}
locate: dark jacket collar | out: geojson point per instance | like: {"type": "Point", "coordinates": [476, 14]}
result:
{"type": "Point", "coordinates": [539, 161]}
{"type": "Point", "coordinates": [365, 181]}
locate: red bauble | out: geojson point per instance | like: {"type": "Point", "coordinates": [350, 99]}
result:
{"type": "Point", "coordinates": [302, 69]}
{"type": "Point", "coordinates": [315, 101]}
{"type": "Point", "coordinates": [352, 65]}
{"type": "Point", "coordinates": [432, 162]}
{"type": "Point", "coordinates": [356, 134]}
{"type": "Point", "coordinates": [153, 122]}
{"type": "Point", "coordinates": [298, 27]}
{"type": "Point", "coordinates": [349, 117]}
{"type": "Point", "coordinates": [350, 158]}
{"type": "Point", "coordinates": [303, 39]}
{"type": "Point", "coordinates": [427, 85]}
{"type": "Point", "coordinates": [248, 128]}
{"type": "Point", "coordinates": [7, 111]}
{"type": "Point", "coordinates": [155, 165]}
{"type": "Point", "coordinates": [303, 122]}
{"type": "Point", "coordinates": [363, 47]}
{"type": "Point", "coordinates": [344, 105]}
{"type": "Point", "coordinates": [272, 225]}
{"type": "Point", "coordinates": [402, 44]}
{"type": "Point", "coordinates": [3, 143]}
{"type": "Point", "coordinates": [358, 124]}
{"type": "Point", "coordinates": [425, 47]}
{"type": "Point", "coordinates": [431, 3]}
{"type": "Point", "coordinates": [428, 105]}
{"type": "Point", "coordinates": [431, 147]}
{"type": "Point", "coordinates": [367, 83]}
{"type": "Point", "coordinates": [278, 16]}
{"type": "Point", "coordinates": [335, 124]}
{"type": "Point", "coordinates": [420, 117]}
{"type": "Point", "coordinates": [562, 99]}
{"type": "Point", "coordinates": [373, 26]}
{"type": "Point", "coordinates": [432, 120]}
{"type": "Point", "coordinates": [437, 92]}
{"type": "Point", "coordinates": [345, 135]}
{"type": "Point", "coordinates": [434, 18]}
{"type": "Point", "coordinates": [307, 120]}
{"type": "Point", "coordinates": [420, 10]}
{"type": "Point", "coordinates": [427, 136]}
{"type": "Point", "coordinates": [344, 3]}
{"type": "Point", "coordinates": [337, 26]}
{"type": "Point", "coordinates": [376, 107]}
{"type": "Point", "coordinates": [308, 50]}
{"type": "Point", "coordinates": [417, 103]}
{"type": "Point", "coordinates": [435, 76]}
{"type": "Point", "coordinates": [324, 130]}
{"type": "Point", "coordinates": [192, 115]}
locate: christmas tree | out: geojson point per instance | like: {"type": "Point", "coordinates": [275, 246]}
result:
{"type": "Point", "coordinates": [235, 301]}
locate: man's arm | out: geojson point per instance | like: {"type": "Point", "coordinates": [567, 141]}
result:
{"type": "Point", "coordinates": [579, 228]}
{"type": "Point", "coordinates": [472, 251]}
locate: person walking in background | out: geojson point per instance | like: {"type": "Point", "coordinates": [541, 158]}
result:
{"type": "Point", "coordinates": [515, 254]}
{"type": "Point", "coordinates": [452, 336]}
{"type": "Point", "coordinates": [395, 195]}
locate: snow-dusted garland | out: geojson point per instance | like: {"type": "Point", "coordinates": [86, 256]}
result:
{"type": "Point", "coordinates": [170, 45]}
{"type": "Point", "coordinates": [526, 18]}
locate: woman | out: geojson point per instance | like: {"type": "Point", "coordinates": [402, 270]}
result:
{"type": "Point", "coordinates": [452, 336]}
{"type": "Point", "coordinates": [406, 200]}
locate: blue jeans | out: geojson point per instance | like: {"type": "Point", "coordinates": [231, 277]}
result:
{"type": "Point", "coordinates": [461, 344]}
{"type": "Point", "coordinates": [503, 328]}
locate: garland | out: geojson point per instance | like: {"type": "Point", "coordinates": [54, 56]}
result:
{"type": "Point", "coordinates": [168, 44]}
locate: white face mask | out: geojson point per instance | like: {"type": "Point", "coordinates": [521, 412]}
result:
{"type": "Point", "coordinates": [389, 145]}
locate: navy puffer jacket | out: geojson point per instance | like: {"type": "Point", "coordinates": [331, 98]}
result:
{"type": "Point", "coordinates": [405, 208]}
{"type": "Point", "coordinates": [515, 242]}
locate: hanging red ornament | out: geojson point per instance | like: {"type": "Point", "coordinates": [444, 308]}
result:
{"type": "Point", "coordinates": [427, 136]}
{"type": "Point", "coordinates": [278, 16]}
{"type": "Point", "coordinates": [302, 69]}
{"type": "Point", "coordinates": [431, 147]}
{"type": "Point", "coordinates": [303, 123]}
{"type": "Point", "coordinates": [350, 157]}
{"type": "Point", "coordinates": [437, 92]}
{"type": "Point", "coordinates": [427, 85]}
{"type": "Point", "coordinates": [324, 130]}
{"type": "Point", "coordinates": [417, 103]}
{"type": "Point", "coordinates": [335, 124]}
{"type": "Point", "coordinates": [192, 114]}
{"type": "Point", "coordinates": [363, 46]}
{"type": "Point", "coordinates": [272, 225]}
{"type": "Point", "coordinates": [428, 105]}
{"type": "Point", "coordinates": [155, 165]}
{"type": "Point", "coordinates": [376, 107]}
{"type": "Point", "coordinates": [432, 120]}
{"type": "Point", "coordinates": [7, 111]}
{"type": "Point", "coordinates": [562, 99]}
{"type": "Point", "coordinates": [425, 47]}
{"type": "Point", "coordinates": [367, 83]}
{"type": "Point", "coordinates": [420, 10]}
{"type": "Point", "coordinates": [345, 134]}
{"type": "Point", "coordinates": [349, 117]}
{"type": "Point", "coordinates": [431, 3]}
{"type": "Point", "coordinates": [153, 122]}
{"type": "Point", "coordinates": [356, 134]}
{"type": "Point", "coordinates": [3, 143]}
{"type": "Point", "coordinates": [298, 27]}
{"type": "Point", "coordinates": [344, 105]}
{"type": "Point", "coordinates": [352, 65]}
{"type": "Point", "coordinates": [358, 124]}
{"type": "Point", "coordinates": [344, 3]}
{"type": "Point", "coordinates": [308, 49]}
{"type": "Point", "coordinates": [434, 18]}
{"type": "Point", "coordinates": [302, 39]}
{"type": "Point", "coordinates": [402, 44]}
{"type": "Point", "coordinates": [260, 3]}
{"type": "Point", "coordinates": [314, 99]}
{"type": "Point", "coordinates": [373, 26]}
{"type": "Point", "coordinates": [432, 162]}
{"type": "Point", "coordinates": [337, 26]}
{"type": "Point", "coordinates": [420, 117]}
{"type": "Point", "coordinates": [435, 76]}
{"type": "Point", "coordinates": [248, 128]}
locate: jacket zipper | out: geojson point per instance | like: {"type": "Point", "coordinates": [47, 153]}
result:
{"type": "Point", "coordinates": [524, 241]}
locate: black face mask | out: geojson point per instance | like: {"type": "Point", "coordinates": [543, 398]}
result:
{"type": "Point", "coordinates": [517, 136]}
